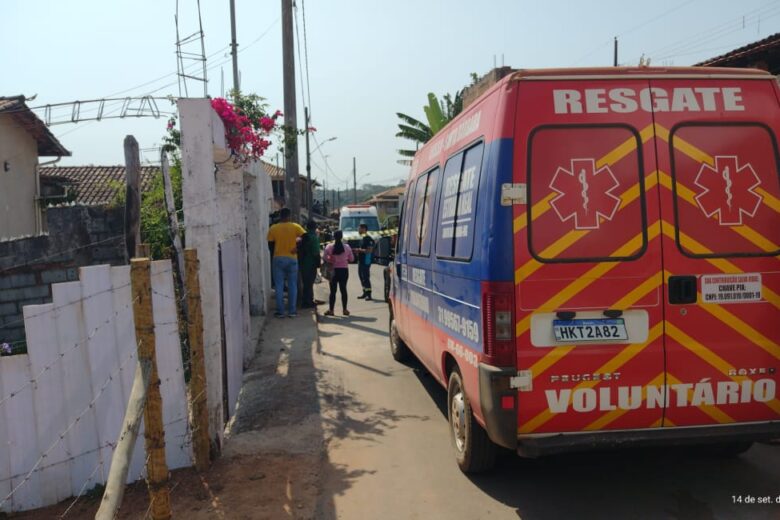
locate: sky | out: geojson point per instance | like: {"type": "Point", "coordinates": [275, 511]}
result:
{"type": "Point", "coordinates": [367, 60]}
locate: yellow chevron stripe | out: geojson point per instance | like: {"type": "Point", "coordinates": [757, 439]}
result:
{"type": "Point", "coordinates": [557, 353]}
{"type": "Point", "coordinates": [639, 292]}
{"type": "Point", "coordinates": [769, 199]}
{"type": "Point", "coordinates": [623, 357]}
{"type": "Point", "coordinates": [749, 333]}
{"type": "Point", "coordinates": [720, 263]}
{"type": "Point", "coordinates": [709, 356]}
{"type": "Point", "coordinates": [697, 348]}
{"type": "Point", "coordinates": [747, 232]}
{"type": "Point", "coordinates": [612, 416]}
{"type": "Point", "coordinates": [549, 359]}
{"type": "Point", "coordinates": [567, 240]}
{"type": "Point", "coordinates": [713, 411]}
{"type": "Point", "coordinates": [668, 423]}
{"type": "Point", "coordinates": [538, 209]}
{"type": "Point", "coordinates": [617, 153]}
{"type": "Point", "coordinates": [658, 423]}
{"type": "Point", "coordinates": [589, 277]}
{"type": "Point", "coordinates": [703, 157]}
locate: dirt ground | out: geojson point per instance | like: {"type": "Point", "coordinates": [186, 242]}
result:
{"type": "Point", "coordinates": [272, 456]}
{"type": "Point", "coordinates": [241, 487]}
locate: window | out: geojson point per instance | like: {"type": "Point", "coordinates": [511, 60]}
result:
{"type": "Point", "coordinates": [459, 204]}
{"type": "Point", "coordinates": [723, 195]}
{"type": "Point", "coordinates": [420, 223]}
{"type": "Point", "coordinates": [353, 223]}
{"type": "Point", "coordinates": [580, 207]}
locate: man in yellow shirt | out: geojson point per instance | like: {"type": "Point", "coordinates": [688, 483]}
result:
{"type": "Point", "coordinates": [284, 236]}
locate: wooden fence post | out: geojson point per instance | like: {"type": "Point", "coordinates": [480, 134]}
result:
{"type": "Point", "coordinates": [156, 467]}
{"type": "Point", "coordinates": [132, 196]}
{"type": "Point", "coordinates": [123, 454]}
{"type": "Point", "coordinates": [197, 394]}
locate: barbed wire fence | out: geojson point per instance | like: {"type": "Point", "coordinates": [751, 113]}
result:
{"type": "Point", "coordinates": [172, 376]}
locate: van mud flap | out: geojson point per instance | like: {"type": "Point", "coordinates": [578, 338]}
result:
{"type": "Point", "coordinates": [500, 423]}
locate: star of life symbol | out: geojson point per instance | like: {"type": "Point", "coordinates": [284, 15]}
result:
{"type": "Point", "coordinates": [727, 190]}
{"type": "Point", "coordinates": [585, 194]}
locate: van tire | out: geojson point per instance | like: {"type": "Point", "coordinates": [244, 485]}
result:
{"type": "Point", "coordinates": [474, 451]}
{"type": "Point", "coordinates": [398, 348]}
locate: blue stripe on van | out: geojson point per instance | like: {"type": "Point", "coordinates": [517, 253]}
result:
{"type": "Point", "coordinates": [436, 289]}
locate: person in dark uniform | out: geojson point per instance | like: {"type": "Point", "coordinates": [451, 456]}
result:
{"type": "Point", "coordinates": [365, 254]}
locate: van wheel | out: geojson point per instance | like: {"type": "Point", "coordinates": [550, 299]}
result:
{"type": "Point", "coordinates": [474, 450]}
{"type": "Point", "coordinates": [398, 348]}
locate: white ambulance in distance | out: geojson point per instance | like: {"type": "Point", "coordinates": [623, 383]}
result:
{"type": "Point", "coordinates": [352, 216]}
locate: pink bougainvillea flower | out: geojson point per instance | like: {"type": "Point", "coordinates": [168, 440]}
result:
{"type": "Point", "coordinates": [245, 140]}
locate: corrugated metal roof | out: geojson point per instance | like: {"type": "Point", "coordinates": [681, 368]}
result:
{"type": "Point", "coordinates": [48, 145]}
{"type": "Point", "coordinates": [733, 57]}
{"type": "Point", "coordinates": [96, 185]}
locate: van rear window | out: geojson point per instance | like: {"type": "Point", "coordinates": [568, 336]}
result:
{"type": "Point", "coordinates": [586, 200]}
{"type": "Point", "coordinates": [727, 189]}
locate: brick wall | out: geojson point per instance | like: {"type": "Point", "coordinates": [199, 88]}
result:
{"type": "Point", "coordinates": [78, 236]}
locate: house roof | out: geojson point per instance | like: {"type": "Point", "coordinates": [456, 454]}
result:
{"type": "Point", "coordinates": [48, 145]}
{"type": "Point", "coordinates": [95, 185]}
{"type": "Point", "coordinates": [277, 173]}
{"type": "Point", "coordinates": [762, 49]}
{"type": "Point", "coordinates": [392, 193]}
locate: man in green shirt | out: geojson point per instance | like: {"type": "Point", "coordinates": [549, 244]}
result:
{"type": "Point", "coordinates": [309, 261]}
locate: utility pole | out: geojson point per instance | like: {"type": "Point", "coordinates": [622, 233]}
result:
{"type": "Point", "coordinates": [308, 163]}
{"type": "Point", "coordinates": [354, 182]}
{"type": "Point", "coordinates": [234, 45]}
{"type": "Point", "coordinates": [615, 61]}
{"type": "Point", "coordinates": [290, 119]}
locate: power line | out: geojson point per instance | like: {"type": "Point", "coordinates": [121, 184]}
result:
{"type": "Point", "coordinates": [633, 29]}
{"type": "Point", "coordinates": [218, 64]}
{"type": "Point", "coordinates": [300, 61]}
{"type": "Point", "coordinates": [306, 54]}
{"type": "Point", "coordinates": [712, 34]}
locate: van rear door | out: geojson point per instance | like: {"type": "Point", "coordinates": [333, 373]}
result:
{"type": "Point", "coordinates": [720, 201]}
{"type": "Point", "coordinates": [588, 257]}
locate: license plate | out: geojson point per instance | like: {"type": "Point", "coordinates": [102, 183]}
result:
{"type": "Point", "coordinates": [590, 330]}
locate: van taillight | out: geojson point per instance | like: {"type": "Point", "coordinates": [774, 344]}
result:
{"type": "Point", "coordinates": [498, 311]}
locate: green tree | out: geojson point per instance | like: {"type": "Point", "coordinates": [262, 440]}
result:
{"type": "Point", "coordinates": [438, 114]}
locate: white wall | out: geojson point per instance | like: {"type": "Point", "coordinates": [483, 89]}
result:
{"type": "Point", "coordinates": [199, 193]}
{"type": "Point", "coordinates": [219, 208]}
{"type": "Point", "coordinates": [19, 213]}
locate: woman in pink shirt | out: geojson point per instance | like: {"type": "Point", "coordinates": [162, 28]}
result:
{"type": "Point", "coordinates": [340, 255]}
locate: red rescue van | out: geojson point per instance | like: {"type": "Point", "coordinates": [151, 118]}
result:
{"type": "Point", "coordinates": [590, 258]}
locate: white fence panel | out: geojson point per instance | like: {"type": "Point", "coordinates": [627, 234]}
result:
{"type": "Point", "coordinates": [233, 315]}
{"type": "Point", "coordinates": [22, 447]}
{"type": "Point", "coordinates": [48, 393]}
{"type": "Point", "coordinates": [82, 436]}
{"type": "Point", "coordinates": [5, 421]}
{"type": "Point", "coordinates": [124, 330]}
{"type": "Point", "coordinates": [104, 359]}
{"type": "Point", "coordinates": [170, 367]}
{"type": "Point", "coordinates": [75, 383]}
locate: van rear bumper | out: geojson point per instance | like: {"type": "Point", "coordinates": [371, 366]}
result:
{"type": "Point", "coordinates": [572, 442]}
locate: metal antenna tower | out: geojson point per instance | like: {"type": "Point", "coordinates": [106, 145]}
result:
{"type": "Point", "coordinates": [186, 59]}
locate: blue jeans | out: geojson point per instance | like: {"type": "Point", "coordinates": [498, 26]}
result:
{"type": "Point", "coordinates": [286, 268]}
